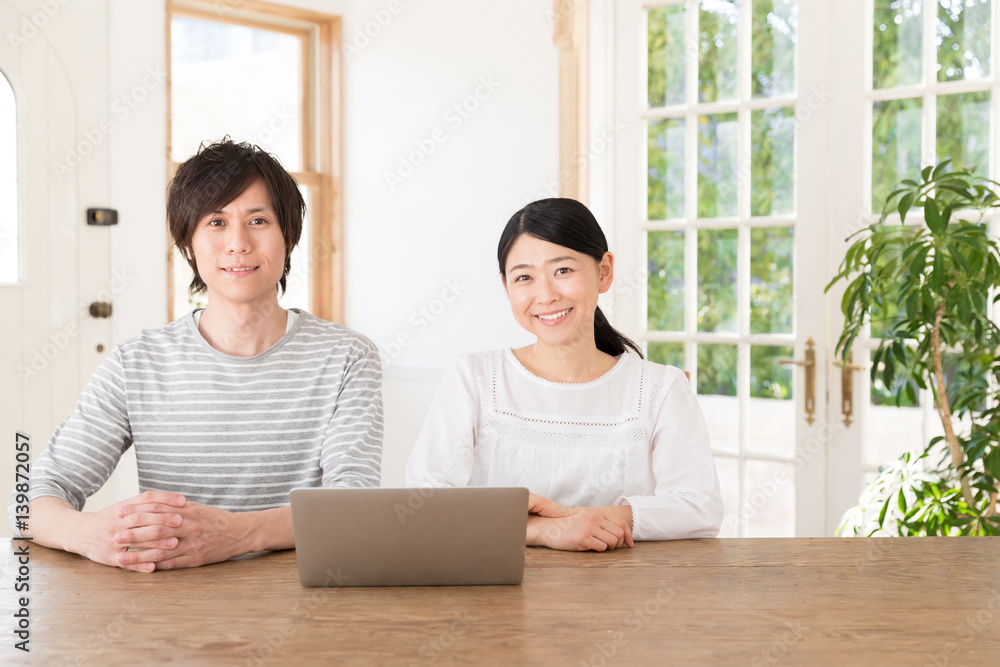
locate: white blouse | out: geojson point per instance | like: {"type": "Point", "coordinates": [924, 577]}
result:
{"type": "Point", "coordinates": [633, 436]}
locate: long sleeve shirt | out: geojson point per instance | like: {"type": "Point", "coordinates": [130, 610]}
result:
{"type": "Point", "coordinates": [633, 436]}
{"type": "Point", "coordinates": [236, 433]}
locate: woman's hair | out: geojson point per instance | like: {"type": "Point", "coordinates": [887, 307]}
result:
{"type": "Point", "coordinates": [568, 223]}
{"type": "Point", "coordinates": [218, 174]}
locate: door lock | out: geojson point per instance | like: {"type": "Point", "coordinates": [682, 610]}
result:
{"type": "Point", "coordinates": [100, 309]}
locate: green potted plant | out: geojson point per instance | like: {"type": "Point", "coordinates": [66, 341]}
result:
{"type": "Point", "coordinates": [927, 290]}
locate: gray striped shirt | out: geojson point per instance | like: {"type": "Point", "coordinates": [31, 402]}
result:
{"type": "Point", "coordinates": [233, 432]}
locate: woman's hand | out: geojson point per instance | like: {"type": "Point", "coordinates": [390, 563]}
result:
{"type": "Point", "coordinates": [542, 506]}
{"type": "Point", "coordinates": [584, 529]}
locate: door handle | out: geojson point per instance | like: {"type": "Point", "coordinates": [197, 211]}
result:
{"type": "Point", "coordinates": [100, 309]}
{"type": "Point", "coordinates": [809, 364]}
{"type": "Point", "coordinates": [847, 386]}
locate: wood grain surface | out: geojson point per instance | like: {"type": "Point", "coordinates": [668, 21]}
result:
{"type": "Point", "coordinates": [814, 601]}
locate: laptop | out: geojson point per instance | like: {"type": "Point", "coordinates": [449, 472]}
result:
{"type": "Point", "coordinates": [410, 537]}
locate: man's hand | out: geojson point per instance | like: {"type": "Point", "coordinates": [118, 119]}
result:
{"type": "Point", "coordinates": [204, 535]}
{"type": "Point", "coordinates": [587, 528]}
{"type": "Point", "coordinates": [149, 518]}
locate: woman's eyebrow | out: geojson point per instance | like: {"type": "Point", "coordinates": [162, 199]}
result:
{"type": "Point", "coordinates": [554, 260]}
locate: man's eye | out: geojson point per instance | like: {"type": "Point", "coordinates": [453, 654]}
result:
{"type": "Point", "coordinates": [258, 221]}
{"type": "Point", "coordinates": [564, 270]}
{"type": "Point", "coordinates": [216, 223]}
{"type": "Point", "coordinates": [521, 278]}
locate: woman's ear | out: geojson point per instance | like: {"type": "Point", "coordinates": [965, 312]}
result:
{"type": "Point", "coordinates": [606, 270]}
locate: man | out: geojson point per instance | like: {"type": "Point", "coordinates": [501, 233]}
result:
{"type": "Point", "coordinates": [229, 407]}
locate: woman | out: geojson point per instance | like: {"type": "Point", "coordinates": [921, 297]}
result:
{"type": "Point", "coordinates": [228, 408]}
{"type": "Point", "coordinates": [612, 447]}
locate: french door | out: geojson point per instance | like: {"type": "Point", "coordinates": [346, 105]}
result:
{"type": "Point", "coordinates": [730, 187]}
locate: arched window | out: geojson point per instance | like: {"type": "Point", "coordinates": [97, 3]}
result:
{"type": "Point", "coordinates": [10, 250]}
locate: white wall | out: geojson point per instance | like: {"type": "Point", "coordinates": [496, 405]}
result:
{"type": "Point", "coordinates": [412, 245]}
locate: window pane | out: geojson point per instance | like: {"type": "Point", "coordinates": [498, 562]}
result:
{"type": "Point", "coordinates": [770, 499]}
{"type": "Point", "coordinates": [892, 431]}
{"type": "Point", "coordinates": [668, 354]}
{"type": "Point", "coordinates": [772, 169]}
{"type": "Point", "coordinates": [963, 39]}
{"type": "Point", "coordinates": [717, 168]}
{"type": "Point", "coordinates": [10, 251]}
{"type": "Point", "coordinates": [775, 25]}
{"type": "Point", "coordinates": [665, 170]}
{"type": "Point", "coordinates": [963, 130]}
{"type": "Point", "coordinates": [717, 280]}
{"type": "Point", "coordinates": [772, 426]}
{"type": "Point", "coordinates": [665, 295]}
{"type": "Point", "coordinates": [717, 371]}
{"type": "Point", "coordinates": [896, 145]}
{"type": "Point", "coordinates": [898, 48]}
{"type": "Point", "coordinates": [230, 79]}
{"type": "Point", "coordinates": [665, 46]}
{"type": "Point", "coordinates": [771, 252]}
{"type": "Point", "coordinates": [718, 28]}
{"type": "Point", "coordinates": [717, 395]}
{"type": "Point", "coordinates": [297, 284]}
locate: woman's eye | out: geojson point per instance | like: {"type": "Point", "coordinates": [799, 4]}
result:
{"type": "Point", "coordinates": [563, 271]}
{"type": "Point", "coordinates": [522, 278]}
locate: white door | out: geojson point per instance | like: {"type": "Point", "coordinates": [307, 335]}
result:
{"type": "Point", "coordinates": [720, 210]}
{"type": "Point", "coordinates": [54, 56]}
{"type": "Point", "coordinates": [914, 84]}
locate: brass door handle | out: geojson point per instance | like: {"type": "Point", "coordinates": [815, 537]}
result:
{"type": "Point", "coordinates": [847, 386]}
{"type": "Point", "coordinates": [100, 309]}
{"type": "Point", "coordinates": [809, 364]}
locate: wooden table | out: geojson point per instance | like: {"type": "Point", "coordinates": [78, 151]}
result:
{"type": "Point", "coordinates": [917, 601]}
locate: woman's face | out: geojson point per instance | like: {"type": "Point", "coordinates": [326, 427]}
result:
{"type": "Point", "coordinates": [553, 290]}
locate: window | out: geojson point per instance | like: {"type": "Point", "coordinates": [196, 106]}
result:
{"type": "Point", "coordinates": [720, 230]}
{"type": "Point", "coordinates": [264, 76]}
{"type": "Point", "coordinates": [930, 99]}
{"type": "Point", "coordinates": [10, 247]}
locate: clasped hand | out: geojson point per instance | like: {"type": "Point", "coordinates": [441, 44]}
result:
{"type": "Point", "coordinates": [159, 530]}
{"type": "Point", "coordinates": [577, 528]}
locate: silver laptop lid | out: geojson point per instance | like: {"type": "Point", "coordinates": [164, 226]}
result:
{"type": "Point", "coordinates": [410, 537]}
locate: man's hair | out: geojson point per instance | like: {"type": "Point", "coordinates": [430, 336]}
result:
{"type": "Point", "coordinates": [218, 174]}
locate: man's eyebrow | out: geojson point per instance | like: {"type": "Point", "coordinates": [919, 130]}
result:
{"type": "Point", "coordinates": [554, 260]}
{"type": "Point", "coordinates": [257, 209]}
